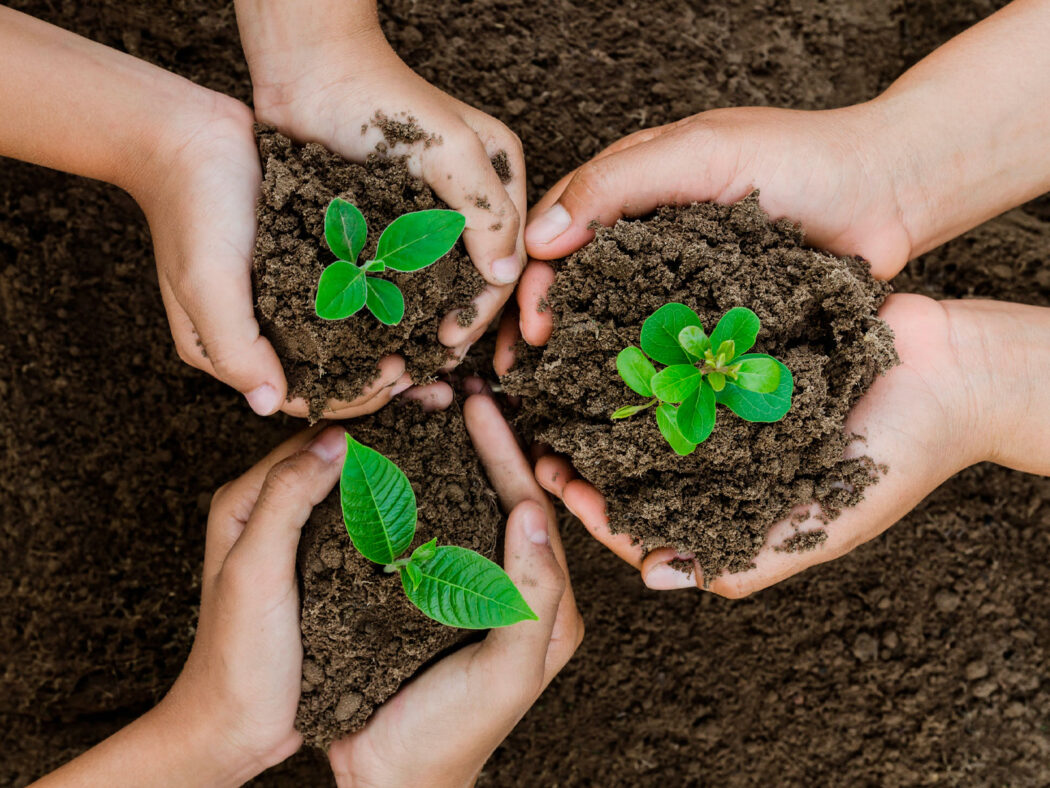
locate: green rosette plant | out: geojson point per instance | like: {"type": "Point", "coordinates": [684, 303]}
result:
{"type": "Point", "coordinates": [452, 585]}
{"type": "Point", "coordinates": [701, 372]}
{"type": "Point", "coordinates": [409, 243]}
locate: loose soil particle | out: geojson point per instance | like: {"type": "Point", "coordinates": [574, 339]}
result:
{"type": "Point", "coordinates": [361, 636]}
{"type": "Point", "coordinates": [336, 359]}
{"type": "Point", "coordinates": [112, 446]}
{"type": "Point", "coordinates": [818, 316]}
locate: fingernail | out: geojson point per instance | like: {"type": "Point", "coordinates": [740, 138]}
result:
{"type": "Point", "coordinates": [400, 387]}
{"type": "Point", "coordinates": [506, 270]}
{"type": "Point", "coordinates": [330, 445]}
{"type": "Point", "coordinates": [548, 225]}
{"type": "Point", "coordinates": [665, 577]}
{"type": "Point", "coordinates": [264, 400]}
{"type": "Point", "coordinates": [536, 527]}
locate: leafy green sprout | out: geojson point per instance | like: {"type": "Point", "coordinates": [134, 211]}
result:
{"type": "Point", "coordinates": [409, 243]}
{"type": "Point", "coordinates": [452, 585]}
{"type": "Point", "coordinates": [701, 372]}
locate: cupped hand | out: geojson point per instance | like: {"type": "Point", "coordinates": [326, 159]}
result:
{"type": "Point", "coordinates": [440, 728]}
{"type": "Point", "coordinates": [341, 93]}
{"type": "Point", "coordinates": [241, 682]}
{"type": "Point", "coordinates": [822, 169]}
{"type": "Point", "coordinates": [965, 378]}
{"type": "Point", "coordinates": [200, 205]}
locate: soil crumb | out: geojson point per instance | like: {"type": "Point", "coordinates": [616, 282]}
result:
{"type": "Point", "coordinates": [501, 164]}
{"type": "Point", "coordinates": [404, 129]}
{"type": "Point", "coordinates": [818, 316]}
{"type": "Point", "coordinates": [325, 359]}
{"type": "Point", "coordinates": [361, 636]}
{"type": "Point", "coordinates": [802, 541]}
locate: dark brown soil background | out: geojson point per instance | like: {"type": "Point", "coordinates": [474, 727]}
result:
{"type": "Point", "coordinates": [336, 359]}
{"type": "Point", "coordinates": [361, 636]}
{"type": "Point", "coordinates": [873, 670]}
{"type": "Point", "coordinates": [818, 314]}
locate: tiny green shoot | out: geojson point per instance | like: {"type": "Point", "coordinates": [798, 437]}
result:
{"type": "Point", "coordinates": [409, 243]}
{"type": "Point", "coordinates": [452, 585]}
{"type": "Point", "coordinates": [701, 372]}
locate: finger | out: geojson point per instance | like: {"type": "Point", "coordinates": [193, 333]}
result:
{"type": "Point", "coordinates": [584, 501]}
{"type": "Point", "coordinates": [435, 396]}
{"type": "Point", "coordinates": [474, 189]}
{"type": "Point", "coordinates": [187, 343]}
{"type": "Point", "coordinates": [390, 381]}
{"type": "Point", "coordinates": [506, 338]}
{"type": "Point", "coordinates": [521, 650]}
{"type": "Point", "coordinates": [214, 291]}
{"type": "Point", "coordinates": [475, 385]}
{"type": "Point", "coordinates": [456, 331]}
{"type": "Point", "coordinates": [665, 570]}
{"type": "Point", "coordinates": [537, 321]}
{"type": "Point", "coordinates": [232, 504]}
{"type": "Point", "coordinates": [630, 182]}
{"type": "Point", "coordinates": [553, 472]}
{"type": "Point", "coordinates": [291, 489]}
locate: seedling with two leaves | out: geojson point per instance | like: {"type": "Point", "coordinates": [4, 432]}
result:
{"type": "Point", "coordinates": [409, 243]}
{"type": "Point", "coordinates": [452, 585]}
{"type": "Point", "coordinates": [702, 371]}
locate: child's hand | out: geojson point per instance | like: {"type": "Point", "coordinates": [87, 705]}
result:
{"type": "Point", "coordinates": [817, 168]}
{"type": "Point", "coordinates": [201, 210]}
{"type": "Point", "coordinates": [969, 388]}
{"type": "Point", "coordinates": [441, 727]}
{"type": "Point", "coordinates": [322, 72]}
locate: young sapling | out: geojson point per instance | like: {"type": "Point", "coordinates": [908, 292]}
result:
{"type": "Point", "coordinates": [701, 372]}
{"type": "Point", "coordinates": [452, 585]}
{"type": "Point", "coordinates": [409, 243]}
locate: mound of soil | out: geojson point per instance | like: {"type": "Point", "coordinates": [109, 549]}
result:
{"type": "Point", "coordinates": [326, 359]}
{"type": "Point", "coordinates": [361, 636]}
{"type": "Point", "coordinates": [818, 316]}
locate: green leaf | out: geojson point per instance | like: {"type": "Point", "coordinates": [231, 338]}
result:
{"type": "Point", "coordinates": [463, 589]}
{"type": "Point", "coordinates": [379, 506]}
{"type": "Point", "coordinates": [630, 410]}
{"type": "Point", "coordinates": [660, 333]}
{"type": "Point", "coordinates": [696, 416]}
{"type": "Point", "coordinates": [717, 380]}
{"type": "Point", "coordinates": [758, 372]}
{"type": "Point", "coordinates": [375, 266]}
{"type": "Point", "coordinates": [340, 291]}
{"type": "Point", "coordinates": [416, 240]}
{"type": "Point", "coordinates": [415, 575]}
{"type": "Point", "coordinates": [754, 406]}
{"type": "Point", "coordinates": [694, 341]}
{"type": "Point", "coordinates": [425, 551]}
{"type": "Point", "coordinates": [385, 301]}
{"type": "Point", "coordinates": [345, 230]}
{"type": "Point", "coordinates": [740, 325]}
{"type": "Point", "coordinates": [667, 421]}
{"type": "Point", "coordinates": [726, 352]}
{"type": "Point", "coordinates": [636, 370]}
{"type": "Point", "coordinates": [675, 383]}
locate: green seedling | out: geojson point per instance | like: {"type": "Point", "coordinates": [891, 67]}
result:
{"type": "Point", "coordinates": [409, 243]}
{"type": "Point", "coordinates": [702, 371]}
{"type": "Point", "coordinates": [450, 584]}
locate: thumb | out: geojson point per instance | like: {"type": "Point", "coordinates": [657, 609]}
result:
{"type": "Point", "coordinates": [633, 181]}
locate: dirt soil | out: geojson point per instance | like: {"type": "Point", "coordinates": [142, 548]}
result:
{"type": "Point", "coordinates": [336, 359]}
{"type": "Point", "coordinates": [361, 636]}
{"type": "Point", "coordinates": [921, 658]}
{"type": "Point", "coordinates": [818, 316]}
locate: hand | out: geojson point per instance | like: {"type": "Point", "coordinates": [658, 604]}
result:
{"type": "Point", "coordinates": [241, 682]}
{"type": "Point", "coordinates": [329, 89]}
{"type": "Point", "coordinates": [441, 727]}
{"type": "Point", "coordinates": [818, 168]}
{"type": "Point", "coordinates": [969, 387]}
{"type": "Point", "coordinates": [201, 210]}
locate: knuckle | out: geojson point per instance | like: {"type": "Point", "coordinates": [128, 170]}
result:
{"type": "Point", "coordinates": [286, 480]}
{"type": "Point", "coordinates": [591, 181]}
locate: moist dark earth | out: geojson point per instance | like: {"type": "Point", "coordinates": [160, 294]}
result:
{"type": "Point", "coordinates": [361, 636]}
{"type": "Point", "coordinates": [819, 317]}
{"type": "Point", "coordinates": [918, 659]}
{"type": "Point", "coordinates": [335, 359]}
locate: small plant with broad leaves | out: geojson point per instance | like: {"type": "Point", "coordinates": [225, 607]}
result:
{"type": "Point", "coordinates": [701, 372]}
{"type": "Point", "coordinates": [409, 243]}
{"type": "Point", "coordinates": [452, 585]}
